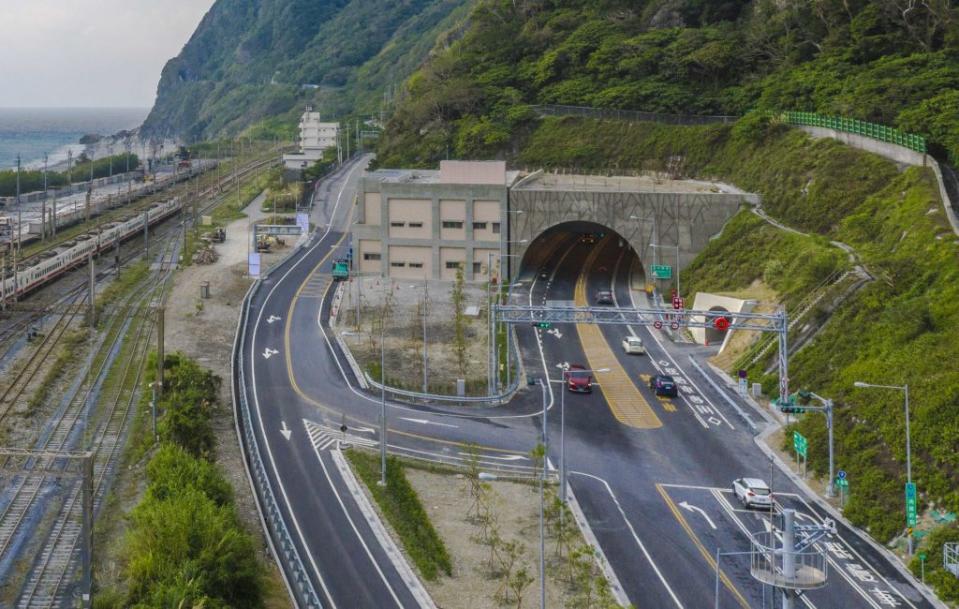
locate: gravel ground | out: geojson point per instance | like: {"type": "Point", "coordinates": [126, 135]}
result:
{"type": "Point", "coordinates": [404, 330]}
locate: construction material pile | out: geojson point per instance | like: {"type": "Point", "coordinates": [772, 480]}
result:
{"type": "Point", "coordinates": [206, 255]}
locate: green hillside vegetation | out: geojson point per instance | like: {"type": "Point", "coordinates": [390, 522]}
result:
{"type": "Point", "coordinates": [253, 60]}
{"type": "Point", "coordinates": [855, 58]}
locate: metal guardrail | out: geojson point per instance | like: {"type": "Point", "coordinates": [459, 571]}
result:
{"type": "Point", "coordinates": [631, 115]}
{"type": "Point", "coordinates": [858, 127]}
{"type": "Point", "coordinates": [281, 541]}
{"type": "Point", "coordinates": [500, 398]}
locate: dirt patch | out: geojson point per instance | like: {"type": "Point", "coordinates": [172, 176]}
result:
{"type": "Point", "coordinates": [515, 508]}
{"type": "Point", "coordinates": [404, 331]}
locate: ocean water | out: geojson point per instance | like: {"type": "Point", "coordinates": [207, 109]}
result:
{"type": "Point", "coordinates": [33, 132]}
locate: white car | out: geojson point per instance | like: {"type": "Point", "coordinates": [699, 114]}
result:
{"type": "Point", "coordinates": [753, 492]}
{"type": "Point", "coordinates": [633, 344]}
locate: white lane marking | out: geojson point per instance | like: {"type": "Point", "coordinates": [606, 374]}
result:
{"type": "Point", "coordinates": [428, 422]}
{"type": "Point", "coordinates": [259, 416]}
{"type": "Point", "coordinates": [692, 508]}
{"type": "Point", "coordinates": [349, 518]}
{"type": "Point", "coordinates": [286, 431]}
{"type": "Point", "coordinates": [268, 353]}
{"type": "Point", "coordinates": [273, 318]}
{"type": "Point", "coordinates": [639, 542]}
{"type": "Point", "coordinates": [678, 367]}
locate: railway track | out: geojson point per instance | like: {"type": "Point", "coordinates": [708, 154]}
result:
{"type": "Point", "coordinates": [46, 586]}
{"type": "Point", "coordinates": [40, 504]}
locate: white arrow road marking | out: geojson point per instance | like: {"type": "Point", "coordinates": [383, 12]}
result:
{"type": "Point", "coordinates": [268, 353]}
{"type": "Point", "coordinates": [692, 508]}
{"type": "Point", "coordinates": [426, 422]}
{"type": "Point", "coordinates": [363, 429]}
{"type": "Point", "coordinates": [504, 458]}
{"type": "Point", "coordinates": [272, 318]}
{"type": "Point", "coordinates": [555, 332]}
{"type": "Point", "coordinates": [563, 365]}
{"type": "Point", "coordinates": [286, 431]}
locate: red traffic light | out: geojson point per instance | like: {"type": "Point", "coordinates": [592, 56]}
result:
{"type": "Point", "coordinates": [721, 324]}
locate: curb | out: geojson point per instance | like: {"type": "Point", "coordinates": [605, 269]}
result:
{"type": "Point", "coordinates": [386, 541]}
{"type": "Point", "coordinates": [761, 441]}
{"type": "Point", "coordinates": [614, 584]}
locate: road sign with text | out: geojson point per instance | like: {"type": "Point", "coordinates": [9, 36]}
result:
{"type": "Point", "coordinates": [910, 504]}
{"type": "Point", "coordinates": [800, 443]}
{"type": "Point", "coordinates": [662, 271]}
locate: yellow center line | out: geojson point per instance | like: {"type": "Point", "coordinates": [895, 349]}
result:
{"type": "Point", "coordinates": [625, 400]}
{"type": "Point", "coordinates": [702, 549]}
{"type": "Point", "coordinates": [310, 400]}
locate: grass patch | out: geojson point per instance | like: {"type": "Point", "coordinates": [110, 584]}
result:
{"type": "Point", "coordinates": [69, 346]}
{"type": "Point", "coordinates": [405, 513]}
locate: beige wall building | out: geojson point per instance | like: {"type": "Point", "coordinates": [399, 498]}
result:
{"type": "Point", "coordinates": [414, 224]}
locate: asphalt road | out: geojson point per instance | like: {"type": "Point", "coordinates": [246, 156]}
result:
{"type": "Point", "coordinates": [657, 499]}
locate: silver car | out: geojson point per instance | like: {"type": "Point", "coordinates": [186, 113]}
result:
{"type": "Point", "coordinates": [633, 344]}
{"type": "Point", "coordinates": [753, 492]}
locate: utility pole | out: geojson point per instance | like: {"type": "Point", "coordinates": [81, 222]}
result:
{"type": "Point", "coordinates": [382, 401]}
{"type": "Point", "coordinates": [161, 314]}
{"type": "Point", "coordinates": [146, 236]}
{"type": "Point", "coordinates": [87, 545]}
{"type": "Point", "coordinates": [19, 209]}
{"type": "Point", "coordinates": [43, 208]}
{"type": "Point", "coordinates": [426, 361]}
{"type": "Point", "coordinates": [93, 291]}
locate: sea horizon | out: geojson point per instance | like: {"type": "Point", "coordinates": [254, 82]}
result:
{"type": "Point", "coordinates": [55, 131]}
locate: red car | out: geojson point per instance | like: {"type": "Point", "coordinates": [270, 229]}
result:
{"type": "Point", "coordinates": [578, 380]}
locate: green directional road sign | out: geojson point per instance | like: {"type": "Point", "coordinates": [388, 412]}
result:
{"type": "Point", "coordinates": [662, 271]}
{"type": "Point", "coordinates": [910, 504]}
{"type": "Point", "coordinates": [800, 443]}
{"type": "Point", "coordinates": [842, 483]}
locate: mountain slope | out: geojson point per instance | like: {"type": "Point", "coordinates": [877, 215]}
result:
{"type": "Point", "coordinates": [871, 60]}
{"type": "Point", "coordinates": [253, 59]}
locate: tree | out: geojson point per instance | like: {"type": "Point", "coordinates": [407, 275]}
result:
{"type": "Point", "coordinates": [459, 322]}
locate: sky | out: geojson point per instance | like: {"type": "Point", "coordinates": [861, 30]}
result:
{"type": "Point", "coordinates": [90, 53]}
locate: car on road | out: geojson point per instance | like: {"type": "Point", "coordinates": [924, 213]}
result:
{"type": "Point", "coordinates": [604, 297]}
{"type": "Point", "coordinates": [663, 384]}
{"type": "Point", "coordinates": [633, 344]}
{"type": "Point", "coordinates": [587, 238]}
{"type": "Point", "coordinates": [753, 492]}
{"type": "Point", "coordinates": [578, 380]}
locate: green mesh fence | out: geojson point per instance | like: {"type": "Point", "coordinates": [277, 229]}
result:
{"type": "Point", "coordinates": [852, 125]}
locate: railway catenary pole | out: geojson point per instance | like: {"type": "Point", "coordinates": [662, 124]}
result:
{"type": "Point", "coordinates": [161, 315]}
{"type": "Point", "coordinates": [86, 548]}
{"type": "Point", "coordinates": [92, 291]}
{"type": "Point", "coordinates": [43, 207]}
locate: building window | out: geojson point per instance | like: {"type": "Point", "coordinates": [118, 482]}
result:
{"type": "Point", "coordinates": [371, 256]}
{"type": "Point", "coordinates": [416, 265]}
{"type": "Point", "coordinates": [495, 228]}
{"type": "Point", "coordinates": [416, 225]}
{"type": "Point", "coordinates": [398, 265]}
{"type": "Point", "coordinates": [397, 224]}
{"type": "Point", "coordinates": [477, 268]}
{"type": "Point", "coordinates": [451, 264]}
{"type": "Point", "coordinates": [479, 225]}
{"type": "Point", "coordinates": [452, 224]}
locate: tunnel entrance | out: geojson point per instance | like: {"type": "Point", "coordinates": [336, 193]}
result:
{"type": "Point", "coordinates": [617, 253]}
{"type": "Point", "coordinates": [715, 336]}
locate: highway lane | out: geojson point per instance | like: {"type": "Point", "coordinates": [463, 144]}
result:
{"type": "Point", "coordinates": [637, 486]}
{"type": "Point", "coordinates": [348, 566]}
{"type": "Point", "coordinates": [702, 445]}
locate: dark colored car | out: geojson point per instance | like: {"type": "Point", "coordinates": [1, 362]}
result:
{"type": "Point", "coordinates": [663, 384]}
{"type": "Point", "coordinates": [587, 238]}
{"type": "Point", "coordinates": [604, 298]}
{"type": "Point", "coordinates": [578, 380]}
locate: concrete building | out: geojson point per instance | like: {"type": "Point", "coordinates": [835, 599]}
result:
{"type": "Point", "coordinates": [426, 224]}
{"type": "Point", "coordinates": [315, 138]}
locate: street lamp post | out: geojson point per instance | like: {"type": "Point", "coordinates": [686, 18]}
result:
{"type": "Point", "coordinates": [905, 390]}
{"type": "Point", "coordinates": [542, 509]}
{"type": "Point", "coordinates": [562, 430]}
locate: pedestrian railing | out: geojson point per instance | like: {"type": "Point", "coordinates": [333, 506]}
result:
{"type": "Point", "coordinates": [630, 115]}
{"type": "Point", "coordinates": [858, 127]}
